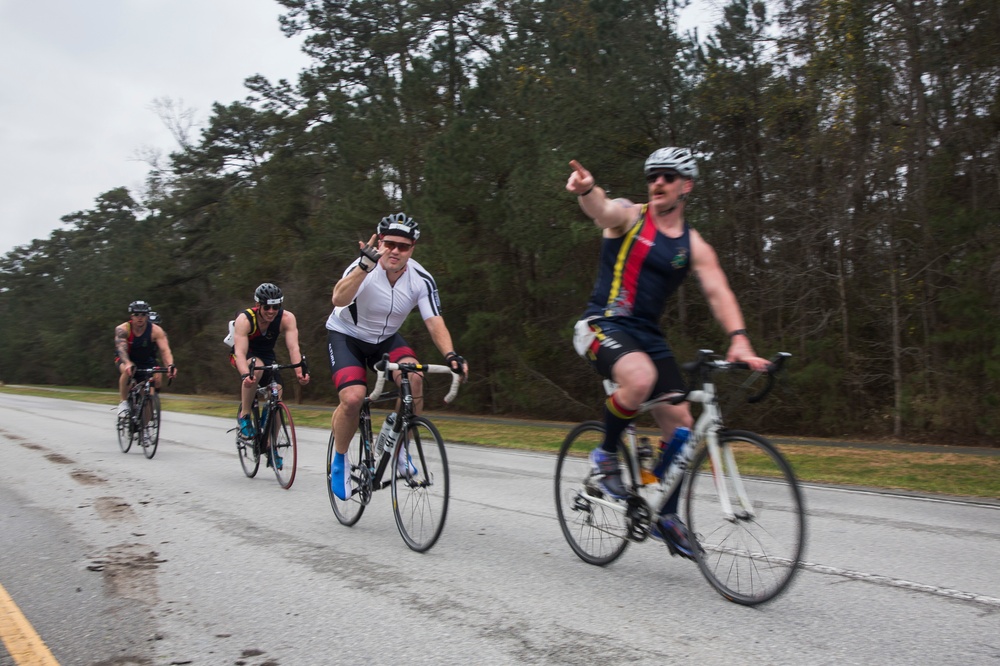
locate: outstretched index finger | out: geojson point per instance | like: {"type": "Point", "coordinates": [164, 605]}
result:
{"type": "Point", "coordinates": [583, 173]}
{"type": "Point", "coordinates": [580, 181]}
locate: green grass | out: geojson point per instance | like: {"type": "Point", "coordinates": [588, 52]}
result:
{"type": "Point", "coordinates": [944, 473]}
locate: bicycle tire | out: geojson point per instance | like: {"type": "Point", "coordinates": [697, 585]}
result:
{"type": "Point", "coordinates": [149, 433]}
{"type": "Point", "coordinates": [597, 533]}
{"type": "Point", "coordinates": [247, 448]}
{"type": "Point", "coordinates": [349, 511]}
{"type": "Point", "coordinates": [420, 499]}
{"type": "Point", "coordinates": [284, 448]}
{"type": "Point", "coordinates": [749, 559]}
{"type": "Point", "coordinates": [124, 427]}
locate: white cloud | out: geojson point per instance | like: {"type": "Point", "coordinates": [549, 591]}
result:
{"type": "Point", "coordinates": [80, 79]}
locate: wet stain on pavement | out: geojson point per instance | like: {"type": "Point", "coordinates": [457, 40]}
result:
{"type": "Point", "coordinates": [129, 571]}
{"type": "Point", "coordinates": [86, 478]}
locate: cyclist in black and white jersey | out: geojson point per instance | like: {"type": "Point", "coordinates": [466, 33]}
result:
{"type": "Point", "coordinates": [371, 302]}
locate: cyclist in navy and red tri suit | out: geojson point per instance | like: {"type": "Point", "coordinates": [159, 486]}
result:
{"type": "Point", "coordinates": [371, 302]}
{"type": "Point", "coordinates": [255, 333]}
{"type": "Point", "coordinates": [137, 343]}
{"type": "Point", "coordinates": [646, 252]}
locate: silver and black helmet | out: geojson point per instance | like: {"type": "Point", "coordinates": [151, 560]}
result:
{"type": "Point", "coordinates": [680, 160]}
{"type": "Point", "coordinates": [268, 294]}
{"type": "Point", "coordinates": [399, 224]}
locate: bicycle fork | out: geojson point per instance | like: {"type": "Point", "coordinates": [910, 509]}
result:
{"type": "Point", "coordinates": [723, 464]}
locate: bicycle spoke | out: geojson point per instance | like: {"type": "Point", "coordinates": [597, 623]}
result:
{"type": "Point", "coordinates": [349, 511]}
{"type": "Point", "coordinates": [750, 557]}
{"type": "Point", "coordinates": [420, 484]}
{"type": "Point", "coordinates": [249, 459]}
{"type": "Point", "coordinates": [595, 526]}
{"type": "Point", "coordinates": [149, 433]}
{"type": "Point", "coordinates": [124, 427]}
{"type": "Point", "coordinates": [284, 449]}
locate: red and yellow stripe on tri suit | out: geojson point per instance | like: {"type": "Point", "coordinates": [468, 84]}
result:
{"type": "Point", "coordinates": [637, 273]}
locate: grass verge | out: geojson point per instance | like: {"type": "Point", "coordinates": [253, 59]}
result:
{"type": "Point", "coordinates": [946, 473]}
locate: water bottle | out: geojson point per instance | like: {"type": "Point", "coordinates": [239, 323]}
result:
{"type": "Point", "coordinates": [386, 438]}
{"type": "Point", "coordinates": [668, 451]}
{"type": "Point", "coordinates": [645, 453]}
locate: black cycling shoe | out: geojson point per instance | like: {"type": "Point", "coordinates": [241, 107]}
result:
{"type": "Point", "coordinates": [669, 529]}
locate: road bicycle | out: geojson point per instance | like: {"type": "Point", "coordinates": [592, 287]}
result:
{"type": "Point", "coordinates": [274, 430]}
{"type": "Point", "coordinates": [743, 504]}
{"type": "Point", "coordinates": [414, 459]}
{"type": "Point", "coordinates": [142, 419]}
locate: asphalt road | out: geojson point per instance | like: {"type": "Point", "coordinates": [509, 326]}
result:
{"type": "Point", "coordinates": [116, 559]}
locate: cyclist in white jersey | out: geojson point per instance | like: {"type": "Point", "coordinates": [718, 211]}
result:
{"type": "Point", "coordinates": [371, 302]}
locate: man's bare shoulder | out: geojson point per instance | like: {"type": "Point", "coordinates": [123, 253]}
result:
{"type": "Point", "coordinates": [629, 216]}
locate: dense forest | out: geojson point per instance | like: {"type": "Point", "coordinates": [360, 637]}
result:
{"type": "Point", "coordinates": [850, 182]}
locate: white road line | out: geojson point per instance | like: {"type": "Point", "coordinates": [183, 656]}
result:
{"type": "Point", "coordinates": [886, 581]}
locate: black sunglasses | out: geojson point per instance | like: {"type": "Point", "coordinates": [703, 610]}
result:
{"type": "Point", "coordinates": [668, 176]}
{"type": "Point", "coordinates": [264, 306]}
{"type": "Point", "coordinates": [140, 314]}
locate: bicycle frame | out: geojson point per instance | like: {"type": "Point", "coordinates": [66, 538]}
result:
{"type": "Point", "coordinates": [405, 414]}
{"type": "Point", "coordinates": [704, 433]}
{"type": "Point", "coordinates": [271, 393]}
{"type": "Point", "coordinates": [140, 391]}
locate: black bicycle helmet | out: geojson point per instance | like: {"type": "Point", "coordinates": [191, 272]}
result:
{"type": "Point", "coordinates": [154, 318]}
{"type": "Point", "coordinates": [680, 160]}
{"type": "Point", "coordinates": [138, 307]}
{"type": "Point", "coordinates": [269, 294]}
{"type": "Point", "coordinates": [398, 224]}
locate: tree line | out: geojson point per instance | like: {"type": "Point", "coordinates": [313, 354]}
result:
{"type": "Point", "coordinates": [850, 181]}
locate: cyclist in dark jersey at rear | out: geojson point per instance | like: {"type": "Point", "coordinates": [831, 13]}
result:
{"type": "Point", "coordinates": [255, 333]}
{"type": "Point", "coordinates": [137, 343]}
{"type": "Point", "coordinates": [646, 253]}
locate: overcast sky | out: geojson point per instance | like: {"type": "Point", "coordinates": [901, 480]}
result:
{"type": "Point", "coordinates": [78, 79]}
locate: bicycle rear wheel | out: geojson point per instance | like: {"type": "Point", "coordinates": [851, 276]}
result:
{"type": "Point", "coordinates": [595, 526]}
{"type": "Point", "coordinates": [750, 558]}
{"type": "Point", "coordinates": [349, 511]}
{"type": "Point", "coordinates": [284, 450]}
{"type": "Point", "coordinates": [420, 489]}
{"type": "Point", "coordinates": [149, 434]}
{"type": "Point", "coordinates": [247, 448]}
{"type": "Point", "coordinates": [125, 431]}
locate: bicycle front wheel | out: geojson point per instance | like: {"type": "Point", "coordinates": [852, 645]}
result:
{"type": "Point", "coordinates": [349, 511]}
{"type": "Point", "coordinates": [751, 556]}
{"type": "Point", "coordinates": [595, 526]}
{"type": "Point", "coordinates": [149, 433]}
{"type": "Point", "coordinates": [284, 450]}
{"type": "Point", "coordinates": [420, 484]}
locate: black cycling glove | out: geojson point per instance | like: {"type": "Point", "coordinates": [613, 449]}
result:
{"type": "Point", "coordinates": [369, 258]}
{"type": "Point", "coordinates": [456, 362]}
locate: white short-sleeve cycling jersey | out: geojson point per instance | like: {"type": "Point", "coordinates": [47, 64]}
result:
{"type": "Point", "coordinates": [379, 309]}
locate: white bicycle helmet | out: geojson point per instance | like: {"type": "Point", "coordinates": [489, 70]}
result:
{"type": "Point", "coordinates": [398, 224]}
{"type": "Point", "coordinates": [680, 160]}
